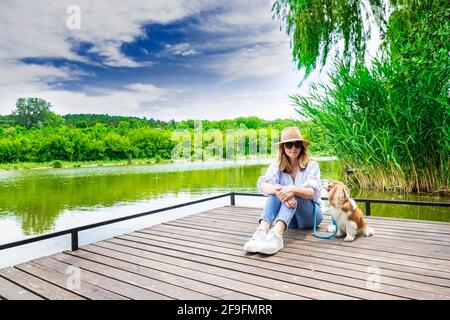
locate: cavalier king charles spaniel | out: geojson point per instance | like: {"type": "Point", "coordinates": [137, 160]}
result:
{"type": "Point", "coordinates": [348, 216]}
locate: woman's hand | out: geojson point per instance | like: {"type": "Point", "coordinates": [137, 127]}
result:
{"type": "Point", "coordinates": [291, 203]}
{"type": "Point", "coordinates": [286, 193]}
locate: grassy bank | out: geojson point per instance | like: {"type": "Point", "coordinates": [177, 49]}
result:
{"type": "Point", "coordinates": [79, 164]}
{"type": "Point", "coordinates": [82, 164]}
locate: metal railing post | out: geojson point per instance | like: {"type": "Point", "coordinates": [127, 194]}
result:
{"type": "Point", "coordinates": [368, 212]}
{"type": "Point", "coordinates": [232, 199]}
{"type": "Point", "coordinates": [74, 240]}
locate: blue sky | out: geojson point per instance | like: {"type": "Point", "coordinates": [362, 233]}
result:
{"type": "Point", "coordinates": [197, 59]}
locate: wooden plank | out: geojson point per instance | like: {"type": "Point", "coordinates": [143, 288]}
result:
{"type": "Point", "coordinates": [85, 290]}
{"type": "Point", "coordinates": [231, 276]}
{"type": "Point", "coordinates": [96, 279]}
{"type": "Point", "coordinates": [38, 286]}
{"type": "Point", "coordinates": [258, 260]}
{"type": "Point", "coordinates": [394, 225]}
{"type": "Point", "coordinates": [294, 237]}
{"type": "Point", "coordinates": [393, 259]}
{"type": "Point", "coordinates": [379, 235]}
{"type": "Point", "coordinates": [432, 225]}
{"type": "Point", "coordinates": [412, 270]}
{"type": "Point", "coordinates": [375, 242]}
{"type": "Point", "coordinates": [292, 260]}
{"type": "Point", "coordinates": [302, 235]}
{"type": "Point", "coordinates": [242, 270]}
{"type": "Point", "coordinates": [151, 284]}
{"type": "Point", "coordinates": [438, 249]}
{"type": "Point", "coordinates": [400, 220]}
{"type": "Point", "coordinates": [350, 262]}
{"type": "Point", "coordinates": [178, 276]}
{"type": "Point", "coordinates": [443, 260]}
{"type": "Point", "coordinates": [185, 276]}
{"type": "Point", "coordinates": [368, 243]}
{"type": "Point", "coordinates": [11, 291]}
{"type": "Point", "coordinates": [248, 266]}
{"type": "Point", "coordinates": [439, 238]}
{"type": "Point", "coordinates": [320, 264]}
{"type": "Point", "coordinates": [443, 227]}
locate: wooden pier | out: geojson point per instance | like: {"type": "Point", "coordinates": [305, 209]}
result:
{"type": "Point", "coordinates": [201, 257]}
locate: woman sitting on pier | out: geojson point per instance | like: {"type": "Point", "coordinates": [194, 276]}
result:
{"type": "Point", "coordinates": [290, 183]}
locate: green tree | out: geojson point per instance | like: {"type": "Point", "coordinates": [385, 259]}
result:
{"type": "Point", "coordinates": [389, 120]}
{"type": "Point", "coordinates": [34, 112]}
{"type": "Point", "coordinates": [316, 26]}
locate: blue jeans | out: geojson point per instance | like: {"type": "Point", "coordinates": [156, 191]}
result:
{"type": "Point", "coordinates": [300, 217]}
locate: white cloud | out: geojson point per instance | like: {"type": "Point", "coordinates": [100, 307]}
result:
{"type": "Point", "coordinates": [262, 49]}
{"type": "Point", "coordinates": [38, 29]}
{"type": "Point", "coordinates": [246, 16]}
{"type": "Point", "coordinates": [133, 99]}
{"type": "Point", "coordinates": [110, 51]}
{"type": "Point", "coordinates": [19, 73]}
{"type": "Point", "coordinates": [258, 61]}
{"type": "Point", "coordinates": [181, 49]}
{"type": "Point", "coordinates": [216, 105]}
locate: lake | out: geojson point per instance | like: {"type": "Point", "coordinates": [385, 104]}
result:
{"type": "Point", "coordinates": [34, 202]}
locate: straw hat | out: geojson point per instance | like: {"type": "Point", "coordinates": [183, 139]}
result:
{"type": "Point", "coordinates": [292, 134]}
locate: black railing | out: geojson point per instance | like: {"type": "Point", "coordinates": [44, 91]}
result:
{"type": "Point", "coordinates": [367, 202]}
{"type": "Point", "coordinates": [74, 231]}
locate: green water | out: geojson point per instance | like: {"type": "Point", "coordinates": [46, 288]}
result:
{"type": "Point", "coordinates": [40, 201]}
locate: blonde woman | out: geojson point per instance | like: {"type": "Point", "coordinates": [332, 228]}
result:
{"type": "Point", "coordinates": [290, 183]}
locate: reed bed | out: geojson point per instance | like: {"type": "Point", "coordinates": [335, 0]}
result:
{"type": "Point", "coordinates": [388, 122]}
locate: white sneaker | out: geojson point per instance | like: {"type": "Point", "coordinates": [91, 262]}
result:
{"type": "Point", "coordinates": [272, 244]}
{"type": "Point", "coordinates": [254, 243]}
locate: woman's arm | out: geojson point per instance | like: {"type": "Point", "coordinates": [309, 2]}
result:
{"type": "Point", "coordinates": [288, 192]}
{"type": "Point", "coordinates": [268, 183]}
{"type": "Point", "coordinates": [304, 193]}
{"type": "Point", "coordinates": [309, 189]}
{"type": "Point", "coordinates": [269, 188]}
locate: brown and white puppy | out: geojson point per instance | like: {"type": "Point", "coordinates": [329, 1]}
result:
{"type": "Point", "coordinates": [349, 217]}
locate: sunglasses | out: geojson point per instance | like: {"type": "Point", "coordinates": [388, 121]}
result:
{"type": "Point", "coordinates": [296, 144]}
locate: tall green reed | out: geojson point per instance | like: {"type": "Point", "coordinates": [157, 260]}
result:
{"type": "Point", "coordinates": [388, 121]}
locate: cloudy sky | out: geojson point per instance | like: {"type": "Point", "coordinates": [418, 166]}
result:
{"type": "Point", "coordinates": [197, 59]}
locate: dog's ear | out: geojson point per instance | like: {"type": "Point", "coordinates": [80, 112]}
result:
{"type": "Point", "coordinates": [329, 186]}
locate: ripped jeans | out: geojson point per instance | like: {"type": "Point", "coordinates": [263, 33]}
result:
{"type": "Point", "coordinates": [300, 217]}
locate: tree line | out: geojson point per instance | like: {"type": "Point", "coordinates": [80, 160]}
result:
{"type": "Point", "coordinates": [34, 133]}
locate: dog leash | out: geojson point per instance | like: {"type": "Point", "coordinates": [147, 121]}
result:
{"type": "Point", "coordinates": [315, 233]}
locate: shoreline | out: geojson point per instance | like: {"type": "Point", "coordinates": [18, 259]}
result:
{"type": "Point", "coordinates": [24, 166]}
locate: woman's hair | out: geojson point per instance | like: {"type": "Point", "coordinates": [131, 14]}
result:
{"type": "Point", "coordinates": [283, 161]}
